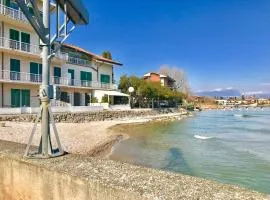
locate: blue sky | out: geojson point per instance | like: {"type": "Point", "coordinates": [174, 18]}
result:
{"type": "Point", "coordinates": [219, 43]}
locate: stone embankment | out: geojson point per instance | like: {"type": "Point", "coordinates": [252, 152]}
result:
{"type": "Point", "coordinates": [80, 177]}
{"type": "Point", "coordinates": [91, 116]}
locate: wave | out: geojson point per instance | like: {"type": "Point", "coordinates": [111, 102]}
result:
{"type": "Point", "coordinates": [201, 137]}
{"type": "Point", "coordinates": [242, 115]}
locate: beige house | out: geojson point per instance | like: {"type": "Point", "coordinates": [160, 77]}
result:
{"type": "Point", "coordinates": [77, 72]}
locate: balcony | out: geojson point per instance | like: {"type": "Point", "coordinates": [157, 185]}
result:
{"type": "Point", "coordinates": [12, 13]}
{"type": "Point", "coordinates": [9, 44]}
{"type": "Point", "coordinates": [78, 61]}
{"type": "Point", "coordinates": [22, 77]}
{"type": "Point", "coordinates": [28, 78]}
{"type": "Point", "coordinates": [62, 81]}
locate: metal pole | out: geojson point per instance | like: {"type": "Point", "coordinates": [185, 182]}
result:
{"type": "Point", "coordinates": [45, 126]}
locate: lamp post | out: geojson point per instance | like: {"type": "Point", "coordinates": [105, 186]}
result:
{"type": "Point", "coordinates": [73, 12]}
{"type": "Point", "coordinates": [130, 90]}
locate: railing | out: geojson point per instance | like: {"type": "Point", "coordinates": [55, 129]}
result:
{"type": "Point", "coordinates": [24, 77]}
{"type": "Point", "coordinates": [20, 76]}
{"type": "Point", "coordinates": [19, 46]}
{"type": "Point", "coordinates": [12, 13]}
{"type": "Point", "coordinates": [28, 48]}
{"type": "Point", "coordinates": [78, 61]}
{"type": "Point", "coordinates": [82, 83]}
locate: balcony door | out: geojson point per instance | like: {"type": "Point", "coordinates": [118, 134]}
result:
{"type": "Point", "coordinates": [20, 98]}
{"type": "Point", "coordinates": [86, 78]}
{"type": "Point", "coordinates": [105, 80]}
{"type": "Point", "coordinates": [57, 75]}
{"type": "Point", "coordinates": [15, 69]}
{"type": "Point", "coordinates": [14, 37]}
{"type": "Point", "coordinates": [25, 98]}
{"type": "Point", "coordinates": [25, 42]}
{"type": "Point", "coordinates": [35, 72]}
{"type": "Point", "coordinates": [77, 99]}
{"type": "Point", "coordinates": [70, 76]}
{"type": "Point", "coordinates": [15, 98]}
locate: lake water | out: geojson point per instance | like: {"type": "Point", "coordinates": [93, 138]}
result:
{"type": "Point", "coordinates": [226, 146]}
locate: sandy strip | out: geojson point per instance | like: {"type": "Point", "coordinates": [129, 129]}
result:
{"type": "Point", "coordinates": [94, 138]}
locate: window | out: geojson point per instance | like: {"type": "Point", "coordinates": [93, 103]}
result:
{"type": "Point", "coordinates": [65, 97]}
{"type": "Point", "coordinates": [15, 68]}
{"type": "Point", "coordinates": [25, 98]}
{"type": "Point", "coordinates": [105, 78]}
{"type": "Point", "coordinates": [20, 98]}
{"type": "Point", "coordinates": [7, 3]}
{"type": "Point", "coordinates": [15, 98]}
{"type": "Point", "coordinates": [86, 78]}
{"type": "Point", "coordinates": [25, 41]}
{"type": "Point", "coordinates": [57, 75]}
{"type": "Point", "coordinates": [70, 76]}
{"type": "Point", "coordinates": [14, 37]}
{"type": "Point", "coordinates": [35, 72]}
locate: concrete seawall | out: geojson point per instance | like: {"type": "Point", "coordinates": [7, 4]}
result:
{"type": "Point", "coordinates": [83, 117]}
{"type": "Point", "coordinates": [80, 177]}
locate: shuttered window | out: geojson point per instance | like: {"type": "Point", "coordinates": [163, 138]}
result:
{"type": "Point", "coordinates": [15, 65]}
{"type": "Point", "coordinates": [104, 78]}
{"type": "Point", "coordinates": [57, 71]}
{"type": "Point", "coordinates": [86, 76]}
{"type": "Point", "coordinates": [25, 37]}
{"type": "Point", "coordinates": [14, 35]}
{"type": "Point", "coordinates": [20, 98]}
{"type": "Point", "coordinates": [15, 98]}
{"type": "Point", "coordinates": [35, 72]}
{"type": "Point", "coordinates": [25, 98]}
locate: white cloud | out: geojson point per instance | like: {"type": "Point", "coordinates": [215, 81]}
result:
{"type": "Point", "coordinates": [254, 92]}
{"type": "Point", "coordinates": [215, 90]}
{"type": "Point", "coordinates": [229, 88]}
{"type": "Point", "coordinates": [265, 84]}
{"type": "Point", "coordinates": [218, 89]}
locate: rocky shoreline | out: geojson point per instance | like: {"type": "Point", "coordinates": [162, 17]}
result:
{"type": "Point", "coordinates": [92, 138]}
{"type": "Point", "coordinates": [84, 117]}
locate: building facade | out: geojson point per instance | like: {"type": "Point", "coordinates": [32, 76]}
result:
{"type": "Point", "coordinates": [162, 79]}
{"type": "Point", "coordinates": [77, 72]}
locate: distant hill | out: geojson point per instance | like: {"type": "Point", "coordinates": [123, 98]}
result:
{"type": "Point", "coordinates": [220, 93]}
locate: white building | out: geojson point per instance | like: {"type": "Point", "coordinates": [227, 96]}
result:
{"type": "Point", "coordinates": [79, 73]}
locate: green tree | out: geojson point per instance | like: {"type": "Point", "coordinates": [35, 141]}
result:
{"type": "Point", "coordinates": [146, 93]}
{"type": "Point", "coordinates": [94, 100]}
{"type": "Point", "coordinates": [107, 54]}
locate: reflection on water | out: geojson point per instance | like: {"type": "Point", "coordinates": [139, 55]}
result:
{"type": "Point", "coordinates": [177, 162]}
{"type": "Point", "coordinates": [227, 146]}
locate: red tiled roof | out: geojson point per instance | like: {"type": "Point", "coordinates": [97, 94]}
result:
{"type": "Point", "coordinates": [97, 57]}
